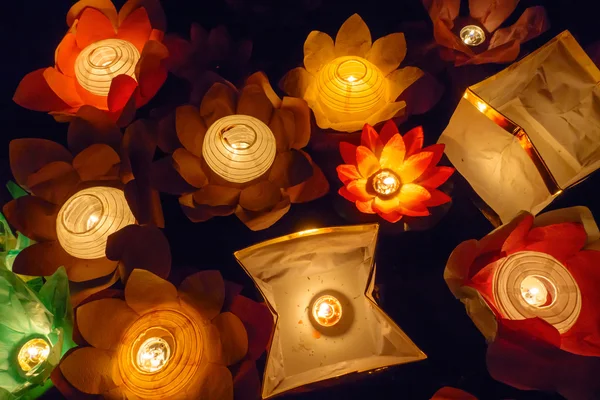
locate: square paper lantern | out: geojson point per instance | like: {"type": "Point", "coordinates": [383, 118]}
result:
{"type": "Point", "coordinates": [318, 285]}
{"type": "Point", "coordinates": [524, 135]}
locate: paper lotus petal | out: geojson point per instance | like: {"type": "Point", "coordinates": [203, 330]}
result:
{"type": "Point", "coordinates": [353, 80]}
{"type": "Point", "coordinates": [35, 331]}
{"type": "Point", "coordinates": [154, 344]}
{"type": "Point", "coordinates": [112, 64]}
{"type": "Point", "coordinates": [477, 39]}
{"type": "Point", "coordinates": [79, 204]}
{"type": "Point", "coordinates": [393, 175]}
{"type": "Point", "coordinates": [450, 393]}
{"type": "Point", "coordinates": [537, 279]}
{"type": "Point", "coordinates": [240, 152]}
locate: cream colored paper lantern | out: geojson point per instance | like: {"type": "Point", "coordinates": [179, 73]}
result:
{"type": "Point", "coordinates": [89, 217]}
{"type": "Point", "coordinates": [101, 61]}
{"type": "Point", "coordinates": [239, 148]}
{"type": "Point", "coordinates": [524, 135]}
{"type": "Point", "coordinates": [318, 285]}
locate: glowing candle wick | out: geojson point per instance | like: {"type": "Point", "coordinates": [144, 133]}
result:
{"type": "Point", "coordinates": [327, 310]}
{"type": "Point", "coordinates": [351, 78]}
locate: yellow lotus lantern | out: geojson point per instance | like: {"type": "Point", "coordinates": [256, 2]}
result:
{"type": "Point", "coordinates": [352, 81]}
{"type": "Point", "coordinates": [319, 286]}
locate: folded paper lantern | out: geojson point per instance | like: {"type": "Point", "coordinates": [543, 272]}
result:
{"type": "Point", "coordinates": [523, 136]}
{"type": "Point", "coordinates": [159, 342]}
{"type": "Point", "coordinates": [531, 288]}
{"type": "Point", "coordinates": [83, 205]}
{"type": "Point", "coordinates": [476, 39]}
{"type": "Point", "coordinates": [319, 284]}
{"type": "Point", "coordinates": [35, 331]}
{"type": "Point", "coordinates": [392, 175]}
{"type": "Point", "coordinates": [352, 82]}
{"type": "Point", "coordinates": [107, 60]}
{"type": "Point", "coordinates": [239, 153]}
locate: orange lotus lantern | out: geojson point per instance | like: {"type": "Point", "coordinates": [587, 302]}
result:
{"type": "Point", "coordinates": [392, 175]}
{"type": "Point", "coordinates": [352, 82]}
{"type": "Point", "coordinates": [107, 60]}
{"type": "Point", "coordinates": [530, 287]}
{"type": "Point", "coordinates": [240, 152]}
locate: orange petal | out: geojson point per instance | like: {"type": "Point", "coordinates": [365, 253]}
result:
{"type": "Point", "coordinates": [92, 27]}
{"type": "Point", "coordinates": [367, 162]}
{"type": "Point", "coordinates": [164, 178]}
{"type": "Point", "coordinates": [205, 291]}
{"type": "Point", "coordinates": [435, 177]}
{"type": "Point", "coordinates": [348, 152]}
{"type": "Point", "coordinates": [318, 51]}
{"type": "Point", "coordinates": [388, 130]}
{"type": "Point", "coordinates": [103, 322]}
{"type": "Point", "coordinates": [137, 149]}
{"type": "Point", "coordinates": [89, 370]}
{"type": "Point", "coordinates": [353, 38]}
{"type": "Point", "coordinates": [156, 14]}
{"type": "Point", "coordinates": [54, 182]}
{"type": "Point", "coordinates": [33, 217]}
{"type": "Point", "coordinates": [491, 13]}
{"type": "Point", "coordinates": [413, 140]}
{"type": "Point", "coordinates": [214, 195]}
{"type": "Point", "coordinates": [91, 99]}
{"type": "Point", "coordinates": [392, 217]}
{"type": "Point", "coordinates": [167, 140]}
{"type": "Point", "coordinates": [136, 29]}
{"type": "Point", "coordinates": [66, 54]}
{"type": "Point", "coordinates": [347, 173]}
{"type": "Point", "coordinates": [437, 150]}
{"type": "Point", "coordinates": [213, 381]}
{"type": "Point", "coordinates": [301, 112]}
{"type": "Point", "coordinates": [97, 162]}
{"type": "Point", "coordinates": [34, 93]}
{"type": "Point", "coordinates": [411, 193]}
{"type": "Point", "coordinates": [359, 189]}
{"type": "Point", "coordinates": [218, 102]}
{"type": "Point", "coordinates": [189, 167]}
{"type": "Point", "coordinates": [150, 71]}
{"type": "Point", "coordinates": [313, 188]}
{"type": "Point", "coordinates": [146, 292]}
{"type": "Point", "coordinates": [121, 89]}
{"type": "Point", "coordinates": [260, 196]}
{"type": "Point", "coordinates": [393, 153]}
{"type": "Point", "coordinates": [365, 206]}
{"type": "Point", "coordinates": [283, 128]}
{"type": "Point", "coordinates": [92, 126]}
{"type": "Point", "coordinates": [190, 128]}
{"type": "Point", "coordinates": [437, 198]}
{"type": "Point", "coordinates": [257, 221]}
{"type": "Point", "coordinates": [27, 156]}
{"type": "Point", "coordinates": [296, 82]}
{"type": "Point", "coordinates": [260, 79]}
{"type": "Point", "coordinates": [370, 139]}
{"type": "Point", "coordinates": [290, 168]}
{"type": "Point", "coordinates": [65, 87]}
{"type": "Point", "coordinates": [385, 206]}
{"type": "Point", "coordinates": [254, 102]}
{"type": "Point", "coordinates": [234, 339]}
{"type": "Point", "coordinates": [144, 202]}
{"type": "Point", "coordinates": [105, 6]}
{"type": "Point", "coordinates": [201, 213]}
{"type": "Point", "coordinates": [414, 166]}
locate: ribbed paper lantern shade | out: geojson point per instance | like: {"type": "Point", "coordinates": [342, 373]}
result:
{"type": "Point", "coordinates": [351, 85]}
{"type": "Point", "coordinates": [531, 284]}
{"type": "Point", "coordinates": [89, 217]}
{"type": "Point", "coordinates": [100, 62]}
{"type": "Point", "coordinates": [239, 148]}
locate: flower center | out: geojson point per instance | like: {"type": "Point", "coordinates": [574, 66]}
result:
{"type": "Point", "coordinates": [101, 61]}
{"type": "Point", "coordinates": [351, 85]}
{"type": "Point", "coordinates": [386, 183]}
{"type": "Point", "coordinates": [538, 291]}
{"type": "Point", "coordinates": [154, 353]}
{"type": "Point", "coordinates": [472, 35]}
{"type": "Point", "coordinates": [33, 354]}
{"type": "Point", "coordinates": [327, 310]}
{"type": "Point", "coordinates": [88, 217]}
{"type": "Point", "coordinates": [239, 148]}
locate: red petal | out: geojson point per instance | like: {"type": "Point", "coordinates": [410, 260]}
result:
{"type": "Point", "coordinates": [365, 206]}
{"type": "Point", "coordinates": [63, 86]}
{"type": "Point", "coordinates": [151, 73]}
{"type": "Point", "coordinates": [66, 54]}
{"type": "Point", "coordinates": [450, 393]}
{"type": "Point", "coordinates": [122, 88]}
{"type": "Point", "coordinates": [246, 381]}
{"type": "Point", "coordinates": [516, 240]}
{"type": "Point", "coordinates": [392, 217]}
{"type": "Point", "coordinates": [257, 320]}
{"type": "Point", "coordinates": [414, 166]}
{"type": "Point", "coordinates": [559, 240]}
{"type": "Point", "coordinates": [434, 177]}
{"type": "Point", "coordinates": [389, 129]}
{"type": "Point", "coordinates": [413, 140]}
{"type": "Point", "coordinates": [437, 198]}
{"type": "Point", "coordinates": [136, 28]}
{"type": "Point", "coordinates": [347, 173]}
{"type": "Point", "coordinates": [34, 93]}
{"type": "Point", "coordinates": [348, 152]}
{"type": "Point", "coordinates": [92, 27]}
{"type": "Point", "coordinates": [438, 152]}
{"type": "Point", "coordinates": [370, 139]}
{"type": "Point", "coordinates": [346, 194]}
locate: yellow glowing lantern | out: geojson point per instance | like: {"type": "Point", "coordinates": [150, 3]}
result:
{"type": "Point", "coordinates": [239, 148]}
{"type": "Point", "coordinates": [327, 310]}
{"type": "Point", "coordinates": [33, 354]}
{"type": "Point", "coordinates": [89, 217]}
{"type": "Point", "coordinates": [472, 35]}
{"type": "Point", "coordinates": [520, 140]}
{"type": "Point", "coordinates": [101, 61]}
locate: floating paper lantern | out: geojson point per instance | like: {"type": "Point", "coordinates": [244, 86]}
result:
{"type": "Point", "coordinates": [392, 175]}
{"type": "Point", "coordinates": [239, 153]}
{"type": "Point", "coordinates": [35, 331]}
{"type": "Point", "coordinates": [160, 342]}
{"type": "Point", "coordinates": [103, 55]}
{"type": "Point", "coordinates": [352, 82]}
{"type": "Point", "coordinates": [530, 288]}
{"type": "Point", "coordinates": [520, 140]}
{"type": "Point", "coordinates": [465, 40]}
{"type": "Point", "coordinates": [319, 284]}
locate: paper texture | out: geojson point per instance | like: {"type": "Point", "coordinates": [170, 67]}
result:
{"type": "Point", "coordinates": [553, 95]}
{"type": "Point", "coordinates": [291, 274]}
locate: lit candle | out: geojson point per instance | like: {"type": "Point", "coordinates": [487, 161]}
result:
{"type": "Point", "coordinates": [153, 355]}
{"type": "Point", "coordinates": [89, 217]}
{"type": "Point", "coordinates": [472, 35]}
{"type": "Point", "coordinates": [535, 291]}
{"type": "Point", "coordinates": [327, 310]}
{"type": "Point", "coordinates": [33, 354]}
{"type": "Point", "coordinates": [386, 183]}
{"type": "Point", "coordinates": [100, 62]}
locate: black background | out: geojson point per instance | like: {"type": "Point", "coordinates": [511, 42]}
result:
{"type": "Point", "coordinates": [410, 264]}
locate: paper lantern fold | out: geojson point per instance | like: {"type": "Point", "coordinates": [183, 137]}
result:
{"type": "Point", "coordinates": [520, 138]}
{"type": "Point", "coordinates": [291, 272]}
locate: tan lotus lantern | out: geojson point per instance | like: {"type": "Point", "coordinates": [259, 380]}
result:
{"type": "Point", "coordinates": [319, 286]}
{"type": "Point", "coordinates": [523, 136]}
